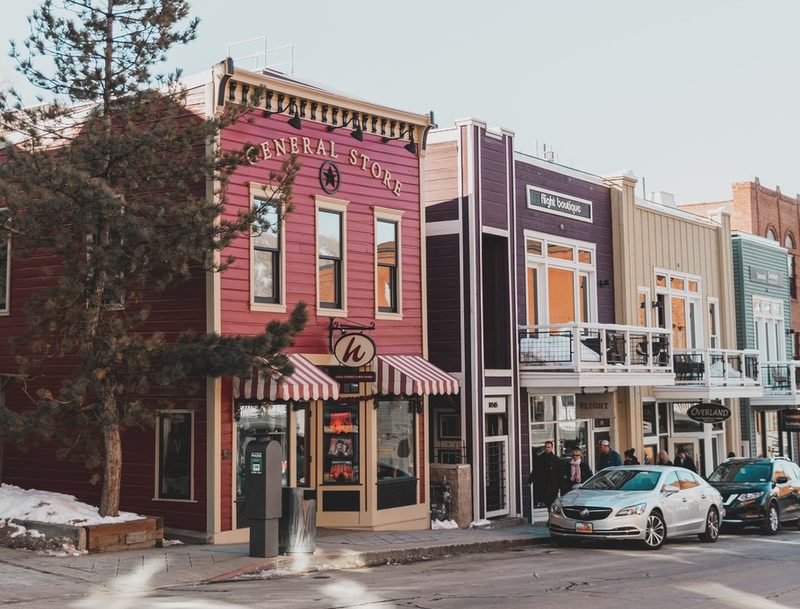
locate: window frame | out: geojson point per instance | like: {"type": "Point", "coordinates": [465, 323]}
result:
{"type": "Point", "coordinates": [543, 263]}
{"type": "Point", "coordinates": [158, 468]}
{"type": "Point", "coordinates": [382, 214]}
{"type": "Point", "coordinates": [331, 205]}
{"type": "Point", "coordinates": [263, 192]}
{"type": "Point", "coordinates": [714, 340]}
{"type": "Point", "coordinates": [667, 293]}
{"type": "Point", "coordinates": [648, 314]}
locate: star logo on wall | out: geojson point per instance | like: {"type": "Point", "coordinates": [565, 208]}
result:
{"type": "Point", "coordinates": [329, 177]}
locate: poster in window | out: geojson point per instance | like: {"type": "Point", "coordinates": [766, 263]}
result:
{"type": "Point", "coordinates": [340, 443]}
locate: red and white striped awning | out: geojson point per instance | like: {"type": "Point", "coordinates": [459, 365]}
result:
{"type": "Point", "coordinates": [412, 375]}
{"type": "Point", "coordinates": [307, 382]}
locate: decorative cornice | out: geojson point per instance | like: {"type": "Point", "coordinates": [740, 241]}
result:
{"type": "Point", "coordinates": [272, 94]}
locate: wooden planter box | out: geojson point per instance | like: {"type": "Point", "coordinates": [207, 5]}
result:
{"type": "Point", "coordinates": [131, 535]}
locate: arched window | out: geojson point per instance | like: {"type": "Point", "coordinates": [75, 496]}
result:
{"type": "Point", "coordinates": [788, 242]}
{"type": "Point", "coordinates": [771, 235]}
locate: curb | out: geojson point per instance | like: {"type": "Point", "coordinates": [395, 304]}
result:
{"type": "Point", "coordinates": [283, 566]}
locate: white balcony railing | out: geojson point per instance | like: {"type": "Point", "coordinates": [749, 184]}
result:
{"type": "Point", "coordinates": [584, 347]}
{"type": "Point", "coordinates": [716, 368]}
{"type": "Point", "coordinates": [780, 378]}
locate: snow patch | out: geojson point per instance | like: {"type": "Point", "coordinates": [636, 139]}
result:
{"type": "Point", "coordinates": [483, 522]}
{"type": "Point", "coordinates": [444, 524]}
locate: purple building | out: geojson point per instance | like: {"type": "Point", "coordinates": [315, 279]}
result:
{"type": "Point", "coordinates": [521, 309]}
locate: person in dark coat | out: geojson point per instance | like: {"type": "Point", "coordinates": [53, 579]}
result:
{"type": "Point", "coordinates": [546, 476]}
{"type": "Point", "coordinates": [630, 457]}
{"type": "Point", "coordinates": [684, 460]}
{"type": "Point", "coordinates": [663, 458]}
{"type": "Point", "coordinates": [577, 471]}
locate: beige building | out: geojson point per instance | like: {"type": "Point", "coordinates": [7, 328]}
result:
{"type": "Point", "coordinates": [673, 270]}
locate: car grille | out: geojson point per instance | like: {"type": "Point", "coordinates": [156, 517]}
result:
{"type": "Point", "coordinates": [580, 512]}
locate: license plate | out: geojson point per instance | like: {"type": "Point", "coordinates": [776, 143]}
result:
{"type": "Point", "coordinates": [583, 527]}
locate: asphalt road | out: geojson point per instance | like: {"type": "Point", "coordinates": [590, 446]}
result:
{"type": "Point", "coordinates": [742, 571]}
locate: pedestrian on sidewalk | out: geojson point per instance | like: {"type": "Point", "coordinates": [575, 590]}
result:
{"type": "Point", "coordinates": [663, 458]}
{"type": "Point", "coordinates": [684, 460]}
{"type": "Point", "coordinates": [608, 457]}
{"type": "Point", "coordinates": [578, 471]}
{"type": "Point", "coordinates": [630, 457]}
{"type": "Point", "coordinates": [545, 476]}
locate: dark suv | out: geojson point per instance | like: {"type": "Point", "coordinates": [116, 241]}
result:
{"type": "Point", "coordinates": [761, 492]}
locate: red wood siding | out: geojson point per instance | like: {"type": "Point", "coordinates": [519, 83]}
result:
{"type": "Point", "coordinates": [363, 192]}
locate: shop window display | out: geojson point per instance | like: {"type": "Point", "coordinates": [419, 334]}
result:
{"type": "Point", "coordinates": [340, 443]}
{"type": "Point", "coordinates": [175, 455]}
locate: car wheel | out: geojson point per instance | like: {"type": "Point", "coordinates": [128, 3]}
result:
{"type": "Point", "coordinates": [711, 534]}
{"type": "Point", "coordinates": [655, 532]}
{"type": "Point", "coordinates": [771, 521]}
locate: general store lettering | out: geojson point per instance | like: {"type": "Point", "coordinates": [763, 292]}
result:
{"type": "Point", "coordinates": [278, 147]}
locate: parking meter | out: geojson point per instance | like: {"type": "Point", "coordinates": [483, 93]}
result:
{"type": "Point", "coordinates": [263, 499]}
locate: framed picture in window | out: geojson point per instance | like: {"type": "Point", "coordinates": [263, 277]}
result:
{"type": "Point", "coordinates": [449, 426]}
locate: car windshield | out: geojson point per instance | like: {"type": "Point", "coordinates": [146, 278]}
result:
{"type": "Point", "coordinates": [623, 480]}
{"type": "Point", "coordinates": [741, 472]}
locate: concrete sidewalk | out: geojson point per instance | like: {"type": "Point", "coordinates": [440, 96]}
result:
{"type": "Point", "coordinates": [336, 549]}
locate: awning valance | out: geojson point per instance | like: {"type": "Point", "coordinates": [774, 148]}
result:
{"type": "Point", "coordinates": [307, 382]}
{"type": "Point", "coordinates": [412, 375]}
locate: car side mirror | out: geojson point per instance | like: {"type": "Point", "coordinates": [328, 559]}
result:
{"type": "Point", "coordinates": [668, 490]}
{"type": "Point", "coordinates": [781, 480]}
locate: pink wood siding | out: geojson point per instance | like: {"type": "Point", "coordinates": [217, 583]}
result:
{"type": "Point", "coordinates": [363, 192]}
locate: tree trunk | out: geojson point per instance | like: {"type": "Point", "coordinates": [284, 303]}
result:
{"type": "Point", "coordinates": [112, 471]}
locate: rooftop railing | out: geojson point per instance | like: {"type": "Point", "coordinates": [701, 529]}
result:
{"type": "Point", "coordinates": [780, 378]}
{"type": "Point", "coordinates": [716, 367]}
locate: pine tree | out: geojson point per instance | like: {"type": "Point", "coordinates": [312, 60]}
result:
{"type": "Point", "coordinates": [106, 181]}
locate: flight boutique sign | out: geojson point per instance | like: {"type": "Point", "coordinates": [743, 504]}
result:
{"type": "Point", "coordinates": [559, 204]}
{"type": "Point", "coordinates": [280, 147]}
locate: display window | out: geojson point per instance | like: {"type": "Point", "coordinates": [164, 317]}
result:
{"type": "Point", "coordinates": [396, 439]}
{"type": "Point", "coordinates": [174, 455]}
{"type": "Point", "coordinates": [340, 448]}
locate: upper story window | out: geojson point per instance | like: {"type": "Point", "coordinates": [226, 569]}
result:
{"type": "Point", "coordinates": [788, 241]}
{"type": "Point", "coordinates": [678, 300]}
{"type": "Point", "coordinates": [387, 261]}
{"type": "Point", "coordinates": [560, 279]}
{"type": "Point", "coordinates": [643, 310]}
{"type": "Point", "coordinates": [771, 234]}
{"type": "Point", "coordinates": [713, 324]}
{"type": "Point", "coordinates": [267, 263]}
{"type": "Point", "coordinates": [331, 259]}
{"type": "Point", "coordinates": [769, 329]}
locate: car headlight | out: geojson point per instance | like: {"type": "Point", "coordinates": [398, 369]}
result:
{"type": "Point", "coordinates": [556, 508]}
{"type": "Point", "coordinates": [633, 510]}
{"type": "Point", "coordinates": [751, 496]}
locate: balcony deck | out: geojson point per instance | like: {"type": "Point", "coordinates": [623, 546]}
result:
{"type": "Point", "coordinates": [780, 381]}
{"type": "Point", "coordinates": [580, 355]}
{"type": "Point", "coordinates": [711, 374]}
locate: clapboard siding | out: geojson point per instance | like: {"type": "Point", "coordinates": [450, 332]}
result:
{"type": "Point", "coordinates": [363, 192]}
{"type": "Point", "coordinates": [597, 232]}
{"type": "Point", "coordinates": [444, 304]}
{"type": "Point", "coordinates": [495, 198]}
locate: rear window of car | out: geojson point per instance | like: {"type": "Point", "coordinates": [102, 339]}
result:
{"type": "Point", "coordinates": [623, 480]}
{"type": "Point", "coordinates": [741, 472]}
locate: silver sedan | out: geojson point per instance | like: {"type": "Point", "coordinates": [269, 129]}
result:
{"type": "Point", "coordinates": [649, 503]}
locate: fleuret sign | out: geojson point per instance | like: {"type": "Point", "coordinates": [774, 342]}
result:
{"type": "Point", "coordinates": [709, 413]}
{"type": "Point", "coordinates": [559, 204]}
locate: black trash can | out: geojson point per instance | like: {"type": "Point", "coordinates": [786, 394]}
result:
{"type": "Point", "coordinates": [297, 529]}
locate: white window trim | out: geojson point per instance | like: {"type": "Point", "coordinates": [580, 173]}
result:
{"type": "Point", "coordinates": [322, 203]}
{"type": "Point", "coordinates": [264, 191]}
{"type": "Point", "coordinates": [715, 301]}
{"type": "Point", "coordinates": [778, 320]}
{"type": "Point", "coordinates": [542, 263]}
{"type": "Point", "coordinates": [695, 297]}
{"type": "Point", "coordinates": [157, 427]}
{"type": "Point", "coordinates": [648, 313]}
{"type": "Point", "coordinates": [396, 216]}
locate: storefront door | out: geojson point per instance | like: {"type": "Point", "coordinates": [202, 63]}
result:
{"type": "Point", "coordinates": [690, 445]}
{"type": "Point", "coordinates": [495, 458]}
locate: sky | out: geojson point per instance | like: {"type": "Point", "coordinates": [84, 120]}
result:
{"type": "Point", "coordinates": [691, 96]}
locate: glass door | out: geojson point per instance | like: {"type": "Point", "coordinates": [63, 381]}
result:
{"type": "Point", "coordinates": [495, 451]}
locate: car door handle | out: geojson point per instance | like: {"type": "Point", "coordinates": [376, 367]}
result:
{"type": "Point", "coordinates": [684, 499]}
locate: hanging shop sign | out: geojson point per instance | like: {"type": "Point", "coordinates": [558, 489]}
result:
{"type": "Point", "coordinates": [559, 204]}
{"type": "Point", "coordinates": [709, 413]}
{"type": "Point", "coordinates": [790, 419]}
{"type": "Point", "coordinates": [354, 350]}
{"type": "Point", "coordinates": [594, 405]}
{"type": "Point", "coordinates": [766, 277]}
{"type": "Point", "coordinates": [345, 374]}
